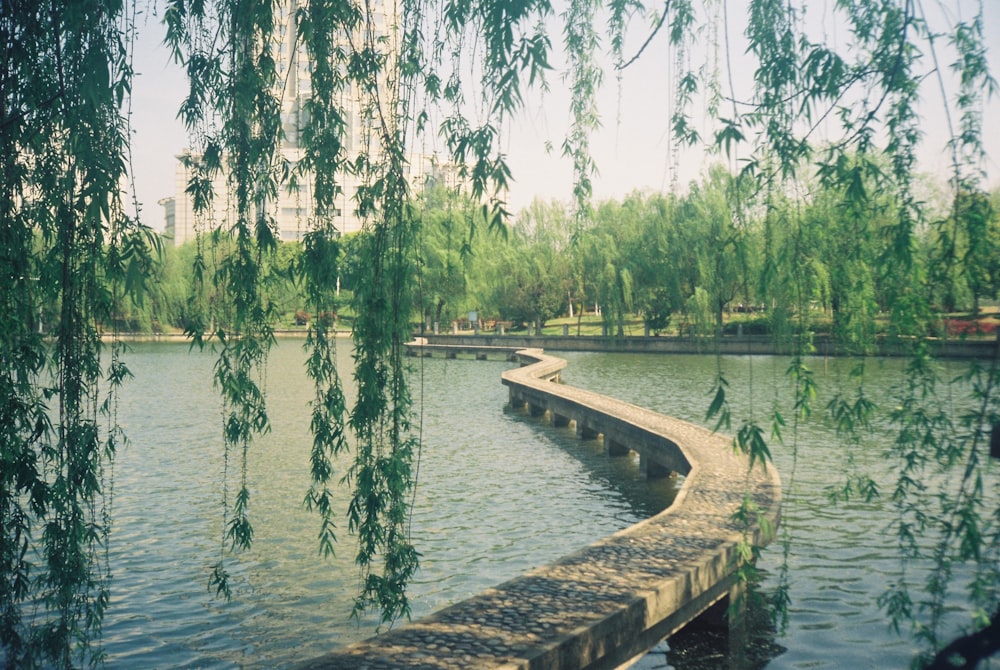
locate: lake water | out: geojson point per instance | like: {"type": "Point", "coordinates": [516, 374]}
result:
{"type": "Point", "coordinates": [498, 494]}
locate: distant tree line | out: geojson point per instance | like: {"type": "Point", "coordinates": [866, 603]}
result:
{"type": "Point", "coordinates": [679, 262]}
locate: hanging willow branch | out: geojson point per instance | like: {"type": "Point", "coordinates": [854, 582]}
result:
{"type": "Point", "coordinates": [70, 259]}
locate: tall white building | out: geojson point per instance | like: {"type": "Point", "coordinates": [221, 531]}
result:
{"type": "Point", "coordinates": [293, 210]}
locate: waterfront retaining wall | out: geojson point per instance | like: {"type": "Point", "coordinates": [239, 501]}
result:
{"type": "Point", "coordinates": [734, 345]}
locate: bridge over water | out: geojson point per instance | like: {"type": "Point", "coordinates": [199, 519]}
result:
{"type": "Point", "coordinates": [611, 601]}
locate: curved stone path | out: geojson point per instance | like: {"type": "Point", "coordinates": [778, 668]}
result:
{"type": "Point", "coordinates": [610, 601]}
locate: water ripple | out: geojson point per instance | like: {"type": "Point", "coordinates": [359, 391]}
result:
{"type": "Point", "coordinates": [498, 494]}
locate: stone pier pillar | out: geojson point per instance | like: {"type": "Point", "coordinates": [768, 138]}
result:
{"type": "Point", "coordinates": [729, 616]}
{"type": "Point", "coordinates": [614, 448]}
{"type": "Point", "coordinates": [650, 469]}
{"type": "Point", "coordinates": [514, 400]}
{"type": "Point", "coordinates": [736, 618]}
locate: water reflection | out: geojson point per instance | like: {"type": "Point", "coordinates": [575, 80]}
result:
{"type": "Point", "coordinates": [707, 645]}
{"type": "Point", "coordinates": [645, 497]}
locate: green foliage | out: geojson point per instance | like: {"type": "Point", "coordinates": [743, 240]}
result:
{"type": "Point", "coordinates": [852, 248]}
{"type": "Point", "coordinates": [526, 283]}
{"type": "Point", "coordinates": [718, 409]}
{"type": "Point", "coordinates": [656, 308]}
{"type": "Point", "coordinates": [381, 472]}
{"type": "Point", "coordinates": [964, 273]}
{"type": "Point", "coordinates": [232, 109]}
{"type": "Point", "coordinates": [72, 259]}
{"type": "Point", "coordinates": [586, 76]}
{"type": "Point", "coordinates": [446, 252]}
{"type": "Point", "coordinates": [852, 417]}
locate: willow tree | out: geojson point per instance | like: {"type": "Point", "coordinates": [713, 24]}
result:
{"type": "Point", "coordinates": [387, 66]}
{"type": "Point", "coordinates": [454, 70]}
{"type": "Point", "coordinates": [69, 249]}
{"type": "Point", "coordinates": [863, 100]}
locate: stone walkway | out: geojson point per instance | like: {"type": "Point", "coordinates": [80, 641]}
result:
{"type": "Point", "coordinates": [607, 603]}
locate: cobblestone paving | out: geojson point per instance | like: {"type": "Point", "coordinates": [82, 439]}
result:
{"type": "Point", "coordinates": [566, 614]}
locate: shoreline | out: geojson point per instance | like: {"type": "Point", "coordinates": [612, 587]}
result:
{"type": "Point", "coordinates": [183, 337]}
{"type": "Point", "coordinates": [736, 345]}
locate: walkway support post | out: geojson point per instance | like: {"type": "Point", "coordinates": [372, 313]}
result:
{"type": "Point", "coordinates": [614, 448]}
{"type": "Point", "coordinates": [650, 469]}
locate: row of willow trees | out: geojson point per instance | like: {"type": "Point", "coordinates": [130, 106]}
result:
{"type": "Point", "coordinates": [75, 254]}
{"type": "Point", "coordinates": [678, 262]}
{"type": "Point", "coordinates": [686, 260]}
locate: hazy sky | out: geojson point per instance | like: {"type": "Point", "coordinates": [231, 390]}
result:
{"type": "Point", "coordinates": [632, 150]}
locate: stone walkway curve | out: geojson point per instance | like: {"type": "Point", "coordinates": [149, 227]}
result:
{"type": "Point", "coordinates": [614, 599]}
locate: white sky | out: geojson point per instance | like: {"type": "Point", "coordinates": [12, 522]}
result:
{"type": "Point", "coordinates": [632, 149]}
